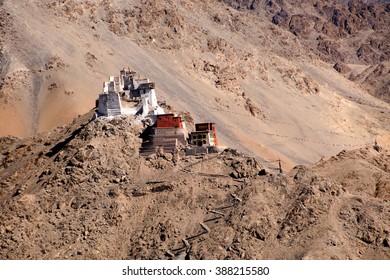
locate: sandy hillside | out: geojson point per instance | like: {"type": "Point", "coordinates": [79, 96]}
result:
{"type": "Point", "coordinates": [271, 93]}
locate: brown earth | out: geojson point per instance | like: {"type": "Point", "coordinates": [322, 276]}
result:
{"type": "Point", "coordinates": [288, 80]}
{"type": "Point", "coordinates": [83, 192]}
{"type": "Point", "coordinates": [269, 88]}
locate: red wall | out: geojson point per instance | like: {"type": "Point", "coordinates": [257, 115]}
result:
{"type": "Point", "coordinates": [168, 120]}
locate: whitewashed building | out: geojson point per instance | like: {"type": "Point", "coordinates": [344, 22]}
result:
{"type": "Point", "coordinates": [128, 95]}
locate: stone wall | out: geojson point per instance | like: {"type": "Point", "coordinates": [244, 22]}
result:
{"type": "Point", "coordinates": [109, 105]}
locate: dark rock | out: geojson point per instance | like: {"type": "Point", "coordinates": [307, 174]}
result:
{"type": "Point", "coordinates": [300, 25]}
{"type": "Point", "coordinates": [257, 234]}
{"type": "Point", "coordinates": [281, 18]}
{"type": "Point", "coordinates": [341, 68]}
{"type": "Point", "coordinates": [162, 188]}
{"type": "Point", "coordinates": [262, 172]}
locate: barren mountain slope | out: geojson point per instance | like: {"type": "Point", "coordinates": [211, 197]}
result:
{"type": "Point", "coordinates": [270, 95]}
{"type": "Point", "coordinates": [83, 192]}
{"type": "Point", "coordinates": [353, 35]}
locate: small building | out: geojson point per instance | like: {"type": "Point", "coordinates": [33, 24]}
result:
{"type": "Point", "coordinates": [149, 102]}
{"type": "Point", "coordinates": [109, 103]}
{"type": "Point", "coordinates": [146, 88]}
{"type": "Point", "coordinates": [127, 79]}
{"type": "Point", "coordinates": [129, 95]}
{"type": "Point", "coordinates": [205, 134]}
{"type": "Point", "coordinates": [169, 132]}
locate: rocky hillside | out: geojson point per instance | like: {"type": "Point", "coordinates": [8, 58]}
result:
{"type": "Point", "coordinates": [83, 192]}
{"type": "Point", "coordinates": [352, 35]}
{"type": "Point", "coordinates": [295, 81]}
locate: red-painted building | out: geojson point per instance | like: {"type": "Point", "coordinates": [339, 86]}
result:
{"type": "Point", "coordinates": [168, 120]}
